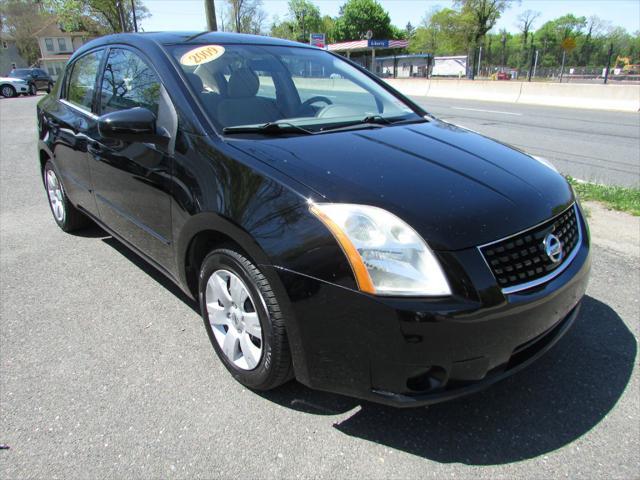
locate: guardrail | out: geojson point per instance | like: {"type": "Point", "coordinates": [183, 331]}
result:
{"type": "Point", "coordinates": [573, 95]}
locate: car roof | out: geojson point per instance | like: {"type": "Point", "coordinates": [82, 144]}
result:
{"type": "Point", "coordinates": [188, 38]}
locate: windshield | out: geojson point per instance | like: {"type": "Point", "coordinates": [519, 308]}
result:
{"type": "Point", "coordinates": [253, 85]}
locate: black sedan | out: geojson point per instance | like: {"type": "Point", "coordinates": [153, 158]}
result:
{"type": "Point", "coordinates": [37, 78]}
{"type": "Point", "coordinates": [330, 228]}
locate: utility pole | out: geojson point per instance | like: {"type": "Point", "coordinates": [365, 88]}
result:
{"type": "Point", "coordinates": [609, 55]}
{"type": "Point", "coordinates": [535, 64]}
{"type": "Point", "coordinates": [479, 60]}
{"type": "Point", "coordinates": [121, 18]}
{"type": "Point", "coordinates": [534, 53]}
{"type": "Point", "coordinates": [303, 14]}
{"type": "Point", "coordinates": [135, 20]}
{"type": "Point", "coordinates": [210, 13]}
{"type": "Point", "coordinates": [564, 54]}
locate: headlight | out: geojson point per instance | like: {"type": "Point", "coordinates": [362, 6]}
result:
{"type": "Point", "coordinates": [545, 162]}
{"type": "Point", "coordinates": [387, 256]}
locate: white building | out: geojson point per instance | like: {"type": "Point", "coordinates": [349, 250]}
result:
{"type": "Point", "coordinates": [57, 46]}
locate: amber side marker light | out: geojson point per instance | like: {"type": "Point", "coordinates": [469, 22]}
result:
{"type": "Point", "coordinates": [355, 260]}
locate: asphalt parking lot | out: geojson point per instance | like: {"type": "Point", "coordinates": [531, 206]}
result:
{"type": "Point", "coordinates": [106, 372]}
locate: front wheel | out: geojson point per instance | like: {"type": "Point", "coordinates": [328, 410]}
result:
{"type": "Point", "coordinates": [49, 87]}
{"type": "Point", "coordinates": [8, 91]}
{"type": "Point", "coordinates": [32, 89]}
{"type": "Point", "coordinates": [244, 320]}
{"type": "Point", "coordinates": [68, 217]}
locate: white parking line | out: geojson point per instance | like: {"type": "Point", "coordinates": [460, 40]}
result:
{"type": "Point", "coordinates": [486, 111]}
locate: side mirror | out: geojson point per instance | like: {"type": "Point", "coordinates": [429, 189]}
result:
{"type": "Point", "coordinates": [132, 125]}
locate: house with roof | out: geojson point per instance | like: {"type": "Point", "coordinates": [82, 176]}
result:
{"type": "Point", "coordinates": [57, 46]}
{"type": "Point", "coordinates": [10, 57]}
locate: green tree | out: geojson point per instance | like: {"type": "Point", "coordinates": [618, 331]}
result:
{"type": "Point", "coordinates": [105, 16]}
{"type": "Point", "coordinates": [22, 19]}
{"type": "Point", "coordinates": [551, 35]}
{"type": "Point", "coordinates": [328, 27]}
{"type": "Point", "coordinates": [482, 16]}
{"type": "Point", "coordinates": [303, 18]}
{"type": "Point", "coordinates": [245, 16]}
{"type": "Point", "coordinates": [409, 30]}
{"type": "Point", "coordinates": [442, 32]}
{"type": "Point", "coordinates": [525, 24]}
{"type": "Point", "coordinates": [359, 16]}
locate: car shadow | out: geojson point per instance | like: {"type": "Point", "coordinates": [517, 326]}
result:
{"type": "Point", "coordinates": [541, 409]}
{"type": "Point", "coordinates": [545, 407]}
{"type": "Point", "coordinates": [149, 269]}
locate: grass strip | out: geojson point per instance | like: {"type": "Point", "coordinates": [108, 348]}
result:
{"type": "Point", "coordinates": [617, 198]}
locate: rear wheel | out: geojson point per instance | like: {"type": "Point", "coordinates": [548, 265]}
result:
{"type": "Point", "coordinates": [8, 91]}
{"type": "Point", "coordinates": [68, 217]}
{"type": "Point", "coordinates": [243, 320]}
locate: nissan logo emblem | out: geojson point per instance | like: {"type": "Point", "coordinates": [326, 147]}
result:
{"type": "Point", "coordinates": [553, 247]}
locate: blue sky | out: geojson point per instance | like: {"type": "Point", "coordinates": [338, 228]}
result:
{"type": "Point", "coordinates": [189, 14]}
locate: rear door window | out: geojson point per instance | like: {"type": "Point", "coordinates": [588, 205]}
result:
{"type": "Point", "coordinates": [83, 79]}
{"type": "Point", "coordinates": [128, 82]}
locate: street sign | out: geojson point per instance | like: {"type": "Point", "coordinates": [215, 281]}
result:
{"type": "Point", "coordinates": [568, 44]}
{"type": "Point", "coordinates": [317, 40]}
{"type": "Point", "coordinates": [371, 43]}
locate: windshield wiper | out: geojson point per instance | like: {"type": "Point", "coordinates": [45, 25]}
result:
{"type": "Point", "coordinates": [378, 119]}
{"type": "Point", "coordinates": [371, 121]}
{"type": "Point", "coordinates": [270, 128]}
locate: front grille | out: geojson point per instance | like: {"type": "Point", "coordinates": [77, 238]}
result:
{"type": "Point", "coordinates": [521, 260]}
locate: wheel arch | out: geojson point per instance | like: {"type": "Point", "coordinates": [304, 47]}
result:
{"type": "Point", "coordinates": [207, 231]}
{"type": "Point", "coordinates": [44, 156]}
{"type": "Point", "coordinates": [204, 232]}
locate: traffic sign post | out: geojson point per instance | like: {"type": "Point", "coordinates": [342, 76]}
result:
{"type": "Point", "coordinates": [317, 40]}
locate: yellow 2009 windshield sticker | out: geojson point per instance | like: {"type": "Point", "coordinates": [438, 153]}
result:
{"type": "Point", "coordinates": [201, 55]}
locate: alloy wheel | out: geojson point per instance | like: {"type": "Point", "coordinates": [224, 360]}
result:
{"type": "Point", "coordinates": [234, 319]}
{"type": "Point", "coordinates": [54, 189]}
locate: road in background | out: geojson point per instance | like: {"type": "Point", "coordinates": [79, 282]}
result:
{"type": "Point", "coordinates": [593, 145]}
{"type": "Point", "coordinates": [106, 371]}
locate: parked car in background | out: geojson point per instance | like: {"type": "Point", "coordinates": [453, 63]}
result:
{"type": "Point", "coordinates": [37, 78]}
{"type": "Point", "coordinates": [11, 87]}
{"type": "Point", "coordinates": [330, 228]}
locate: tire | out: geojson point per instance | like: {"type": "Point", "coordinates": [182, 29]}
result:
{"type": "Point", "coordinates": [8, 91]}
{"type": "Point", "coordinates": [33, 90]}
{"type": "Point", "coordinates": [68, 217]}
{"type": "Point", "coordinates": [274, 366]}
{"type": "Point", "coordinates": [49, 87]}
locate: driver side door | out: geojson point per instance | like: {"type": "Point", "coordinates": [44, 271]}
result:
{"type": "Point", "coordinates": [132, 179]}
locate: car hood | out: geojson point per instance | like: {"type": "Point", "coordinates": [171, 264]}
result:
{"type": "Point", "coordinates": [11, 79]}
{"type": "Point", "coordinates": [455, 187]}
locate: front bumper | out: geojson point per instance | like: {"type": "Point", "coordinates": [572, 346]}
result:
{"type": "Point", "coordinates": [412, 352]}
{"type": "Point", "coordinates": [20, 88]}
